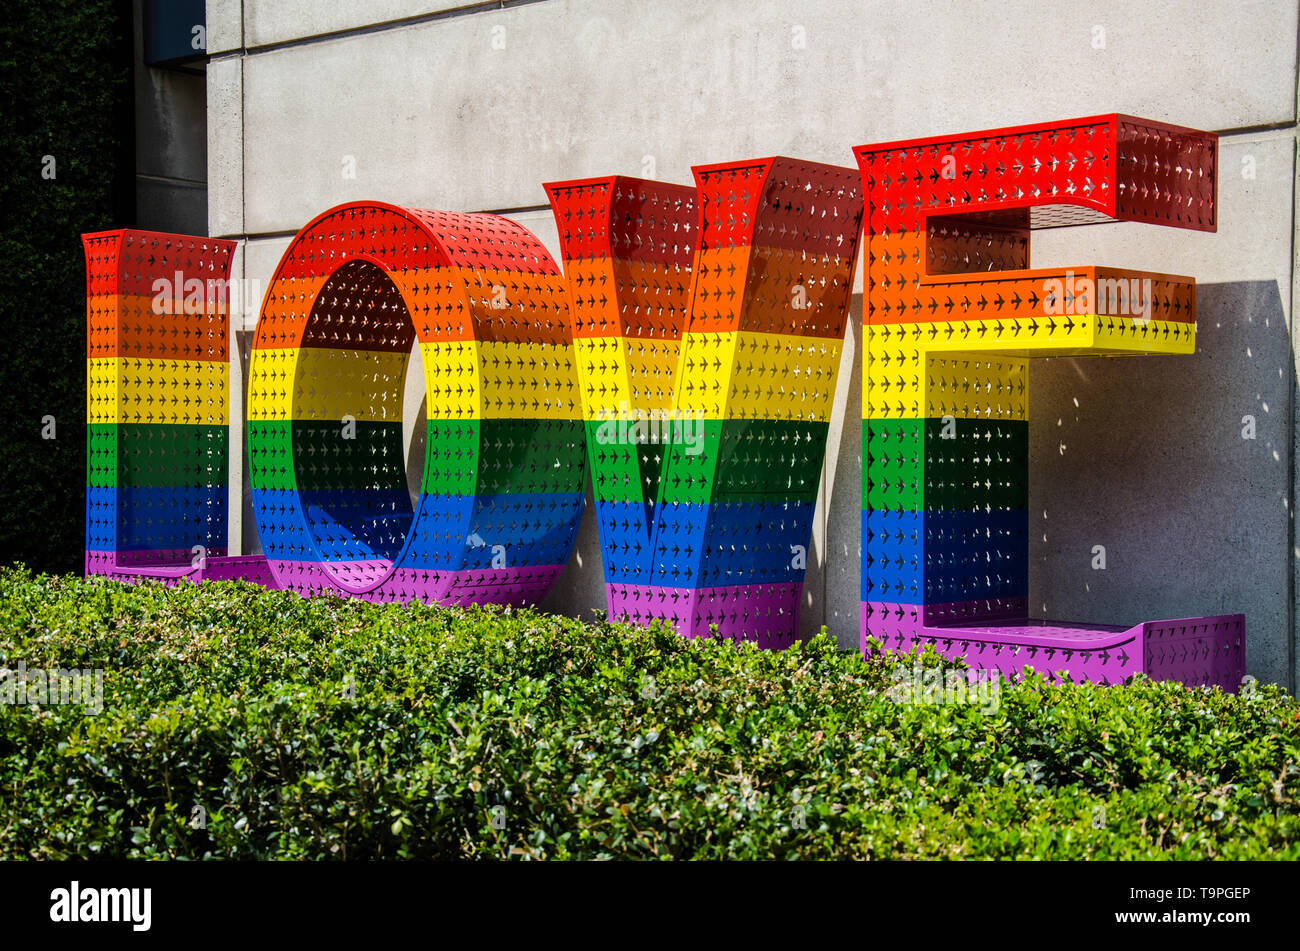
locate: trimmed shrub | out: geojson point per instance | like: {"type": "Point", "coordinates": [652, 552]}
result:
{"type": "Point", "coordinates": [241, 723]}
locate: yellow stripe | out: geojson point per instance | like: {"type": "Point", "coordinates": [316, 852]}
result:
{"type": "Point", "coordinates": [103, 391]}
{"type": "Point", "coordinates": [453, 389]}
{"type": "Point", "coordinates": [651, 372]}
{"type": "Point", "coordinates": [702, 384]}
{"type": "Point", "coordinates": [783, 376]}
{"type": "Point", "coordinates": [895, 372]}
{"type": "Point", "coordinates": [976, 386]}
{"type": "Point", "coordinates": [906, 382]}
{"type": "Point", "coordinates": [366, 385]}
{"type": "Point", "coordinates": [270, 384]}
{"type": "Point", "coordinates": [893, 376]}
{"type": "Point", "coordinates": [528, 381]}
{"type": "Point", "coordinates": [1114, 336]}
{"type": "Point", "coordinates": [602, 376]}
{"type": "Point", "coordinates": [617, 375]}
{"type": "Point", "coordinates": [126, 389]}
{"type": "Point", "coordinates": [751, 375]}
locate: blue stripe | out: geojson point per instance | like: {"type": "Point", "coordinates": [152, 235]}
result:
{"type": "Point", "coordinates": [705, 545]}
{"type": "Point", "coordinates": [146, 518]}
{"type": "Point", "coordinates": [454, 532]}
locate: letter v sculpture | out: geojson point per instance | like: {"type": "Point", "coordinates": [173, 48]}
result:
{"type": "Point", "coordinates": [716, 316]}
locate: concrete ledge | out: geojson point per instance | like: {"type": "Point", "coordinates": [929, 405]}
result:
{"type": "Point", "coordinates": [225, 26]}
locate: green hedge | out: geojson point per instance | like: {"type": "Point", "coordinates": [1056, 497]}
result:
{"type": "Point", "coordinates": [64, 71]}
{"type": "Point", "coordinates": [326, 728]}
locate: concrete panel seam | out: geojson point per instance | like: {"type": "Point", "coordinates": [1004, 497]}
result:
{"type": "Point", "coordinates": [397, 24]}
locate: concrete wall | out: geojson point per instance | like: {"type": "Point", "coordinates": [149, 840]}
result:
{"type": "Point", "coordinates": [472, 107]}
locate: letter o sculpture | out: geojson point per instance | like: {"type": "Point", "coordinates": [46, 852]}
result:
{"type": "Point", "coordinates": [504, 468]}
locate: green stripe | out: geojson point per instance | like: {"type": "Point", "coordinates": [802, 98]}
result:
{"type": "Point", "coordinates": [270, 454]}
{"type": "Point", "coordinates": [914, 465]}
{"type": "Point", "coordinates": [450, 457]}
{"type": "Point", "coordinates": [984, 463]}
{"type": "Point", "coordinates": [744, 460]}
{"type": "Point", "coordinates": [461, 458]}
{"type": "Point", "coordinates": [892, 476]}
{"type": "Point", "coordinates": [623, 468]}
{"type": "Point", "coordinates": [163, 455]}
{"type": "Point", "coordinates": [331, 456]}
{"type": "Point", "coordinates": [517, 456]}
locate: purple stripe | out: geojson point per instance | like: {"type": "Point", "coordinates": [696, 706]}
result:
{"type": "Point", "coordinates": [767, 614]}
{"type": "Point", "coordinates": [219, 568]}
{"type": "Point", "coordinates": [513, 586]}
{"type": "Point", "coordinates": [1193, 651]}
{"type": "Point", "coordinates": [253, 568]}
{"type": "Point", "coordinates": [1201, 651]}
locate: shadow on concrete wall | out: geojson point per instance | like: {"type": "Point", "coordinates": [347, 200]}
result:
{"type": "Point", "coordinates": [1153, 459]}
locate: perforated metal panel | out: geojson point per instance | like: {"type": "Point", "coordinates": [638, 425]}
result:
{"type": "Point", "coordinates": [157, 407]}
{"type": "Point", "coordinates": [952, 314]}
{"type": "Point", "coordinates": [710, 326]}
{"type": "Point", "coordinates": [502, 488]}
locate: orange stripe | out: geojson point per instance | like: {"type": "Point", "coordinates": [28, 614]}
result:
{"type": "Point", "coordinates": [125, 325]}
